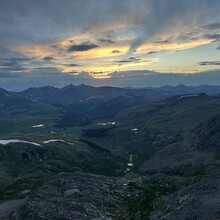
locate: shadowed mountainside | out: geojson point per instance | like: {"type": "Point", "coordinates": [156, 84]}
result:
{"type": "Point", "coordinates": [134, 155]}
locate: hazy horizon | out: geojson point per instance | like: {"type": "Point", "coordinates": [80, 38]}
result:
{"type": "Point", "coordinates": [154, 80]}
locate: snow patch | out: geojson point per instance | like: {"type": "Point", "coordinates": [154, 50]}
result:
{"type": "Point", "coordinates": [57, 140]}
{"type": "Point", "coordinates": [107, 123]}
{"type": "Point", "coordinates": [188, 96]}
{"type": "Point", "coordinates": [38, 126]}
{"type": "Point", "coordinates": [5, 142]}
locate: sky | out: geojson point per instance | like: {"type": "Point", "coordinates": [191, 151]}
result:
{"type": "Point", "coordinates": [138, 43]}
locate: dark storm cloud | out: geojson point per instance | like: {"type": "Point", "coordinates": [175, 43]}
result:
{"type": "Point", "coordinates": [48, 58]}
{"type": "Point", "coordinates": [151, 52]}
{"type": "Point", "coordinates": [130, 60]}
{"type": "Point", "coordinates": [162, 42]}
{"type": "Point", "coordinates": [108, 41]}
{"type": "Point", "coordinates": [72, 65]}
{"type": "Point", "coordinates": [82, 47]}
{"type": "Point", "coordinates": [209, 63]}
{"type": "Point", "coordinates": [116, 51]}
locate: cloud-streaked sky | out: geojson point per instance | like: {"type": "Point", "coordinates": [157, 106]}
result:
{"type": "Point", "coordinates": [115, 42]}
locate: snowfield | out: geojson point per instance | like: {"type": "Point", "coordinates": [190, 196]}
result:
{"type": "Point", "coordinates": [5, 142]}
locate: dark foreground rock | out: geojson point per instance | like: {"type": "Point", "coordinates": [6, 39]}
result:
{"type": "Point", "coordinates": [75, 196]}
{"type": "Point", "coordinates": [198, 201]}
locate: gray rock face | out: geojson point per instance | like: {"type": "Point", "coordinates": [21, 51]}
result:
{"type": "Point", "coordinates": [76, 196]}
{"type": "Point", "coordinates": [8, 207]}
{"type": "Point", "coordinates": [25, 192]}
{"type": "Point", "coordinates": [199, 201]}
{"type": "Point", "coordinates": [72, 192]}
{"type": "Point", "coordinates": [123, 181]}
{"type": "Point", "coordinates": [207, 135]}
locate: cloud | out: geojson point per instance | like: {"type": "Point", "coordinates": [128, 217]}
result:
{"type": "Point", "coordinates": [51, 69]}
{"type": "Point", "coordinates": [108, 33]}
{"type": "Point", "coordinates": [212, 26]}
{"type": "Point", "coordinates": [48, 58]}
{"type": "Point", "coordinates": [108, 41]}
{"type": "Point", "coordinates": [151, 52]}
{"type": "Point", "coordinates": [162, 41]}
{"type": "Point", "coordinates": [116, 51]}
{"type": "Point", "coordinates": [12, 69]}
{"type": "Point", "coordinates": [130, 60]}
{"type": "Point", "coordinates": [209, 63]}
{"type": "Point", "coordinates": [218, 48]}
{"type": "Point", "coordinates": [173, 46]}
{"type": "Point", "coordinates": [82, 47]}
{"type": "Point", "coordinates": [214, 37]}
{"type": "Point", "coordinates": [13, 62]}
{"type": "Point", "coordinates": [72, 65]}
{"type": "Point", "coordinates": [8, 63]}
{"type": "Point", "coordinates": [36, 21]}
{"type": "Point", "coordinates": [171, 17]}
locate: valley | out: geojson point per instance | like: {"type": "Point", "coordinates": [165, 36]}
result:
{"type": "Point", "coordinates": [82, 152]}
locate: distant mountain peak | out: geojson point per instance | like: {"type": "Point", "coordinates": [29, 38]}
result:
{"type": "Point", "coordinates": [70, 86]}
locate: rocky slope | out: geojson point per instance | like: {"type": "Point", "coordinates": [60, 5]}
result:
{"type": "Point", "coordinates": [156, 160]}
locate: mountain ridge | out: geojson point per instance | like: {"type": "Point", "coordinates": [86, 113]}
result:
{"type": "Point", "coordinates": [148, 151]}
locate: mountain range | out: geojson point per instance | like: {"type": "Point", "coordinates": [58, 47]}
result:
{"type": "Point", "coordinates": [81, 152]}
